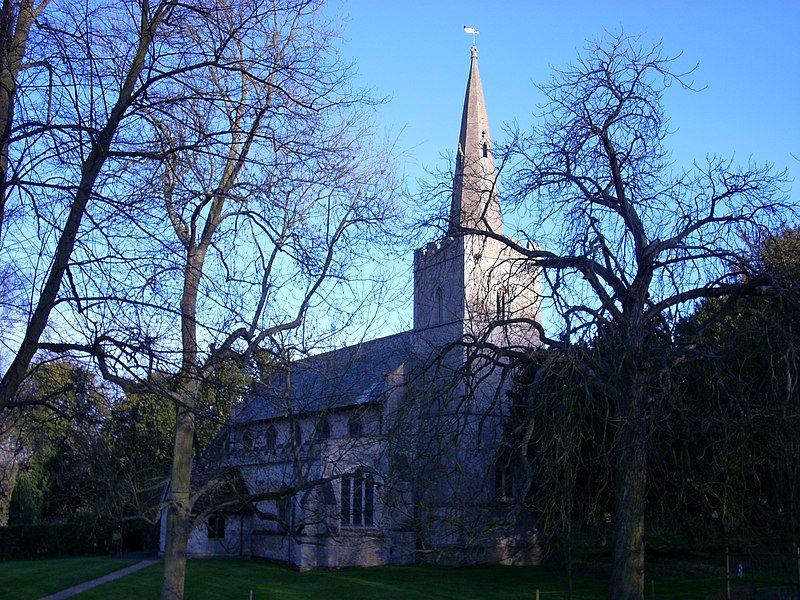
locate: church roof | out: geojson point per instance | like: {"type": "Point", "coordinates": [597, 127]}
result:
{"type": "Point", "coordinates": [349, 376]}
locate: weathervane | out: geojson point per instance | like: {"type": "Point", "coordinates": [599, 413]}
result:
{"type": "Point", "coordinates": [473, 31]}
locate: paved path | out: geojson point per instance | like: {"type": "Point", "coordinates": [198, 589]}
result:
{"type": "Point", "coordinates": [87, 585]}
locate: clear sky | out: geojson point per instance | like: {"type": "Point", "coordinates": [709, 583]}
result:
{"type": "Point", "coordinates": [416, 54]}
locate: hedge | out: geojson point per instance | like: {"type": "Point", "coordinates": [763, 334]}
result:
{"type": "Point", "coordinates": [88, 536]}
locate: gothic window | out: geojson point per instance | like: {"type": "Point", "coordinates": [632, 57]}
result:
{"type": "Point", "coordinates": [358, 500]}
{"type": "Point", "coordinates": [216, 527]}
{"type": "Point", "coordinates": [501, 305]}
{"type": "Point", "coordinates": [284, 506]}
{"type": "Point", "coordinates": [247, 439]}
{"type": "Point", "coordinates": [503, 479]}
{"type": "Point", "coordinates": [439, 305]}
{"type": "Point", "coordinates": [298, 433]}
{"type": "Point", "coordinates": [270, 438]}
{"type": "Point", "coordinates": [322, 430]}
{"type": "Point", "coordinates": [233, 443]}
{"type": "Point", "coordinates": [485, 150]}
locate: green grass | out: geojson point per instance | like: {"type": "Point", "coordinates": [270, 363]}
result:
{"type": "Point", "coordinates": [687, 576]}
{"type": "Point", "coordinates": [30, 579]}
{"type": "Point", "coordinates": [234, 578]}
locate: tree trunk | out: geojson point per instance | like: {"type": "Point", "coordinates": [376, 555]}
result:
{"type": "Point", "coordinates": [179, 511]}
{"type": "Point", "coordinates": [627, 581]}
{"type": "Point", "coordinates": [179, 515]}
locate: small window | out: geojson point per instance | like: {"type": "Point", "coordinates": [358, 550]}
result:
{"type": "Point", "coordinates": [284, 506]}
{"type": "Point", "coordinates": [503, 479]}
{"type": "Point", "coordinates": [358, 500]}
{"type": "Point", "coordinates": [439, 308]}
{"type": "Point", "coordinates": [233, 443]}
{"type": "Point", "coordinates": [270, 438]}
{"type": "Point", "coordinates": [355, 426]}
{"type": "Point", "coordinates": [485, 150]}
{"type": "Point", "coordinates": [216, 527]}
{"type": "Point", "coordinates": [501, 305]}
{"type": "Point", "coordinates": [247, 439]}
{"type": "Point", "coordinates": [298, 433]}
{"type": "Point", "coordinates": [322, 430]}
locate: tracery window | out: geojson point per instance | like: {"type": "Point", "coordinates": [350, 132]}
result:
{"type": "Point", "coordinates": [358, 500]}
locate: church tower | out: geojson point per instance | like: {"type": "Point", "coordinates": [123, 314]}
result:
{"type": "Point", "coordinates": [467, 280]}
{"type": "Point", "coordinates": [472, 293]}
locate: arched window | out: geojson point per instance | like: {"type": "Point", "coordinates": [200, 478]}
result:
{"type": "Point", "coordinates": [322, 430]}
{"type": "Point", "coordinates": [233, 443]}
{"type": "Point", "coordinates": [216, 527]}
{"type": "Point", "coordinates": [358, 500]}
{"type": "Point", "coordinates": [438, 308]}
{"type": "Point", "coordinates": [501, 305]}
{"type": "Point", "coordinates": [485, 150]}
{"type": "Point", "coordinates": [270, 438]}
{"type": "Point", "coordinates": [283, 507]}
{"type": "Point", "coordinates": [355, 427]}
{"type": "Point", "coordinates": [247, 439]}
{"type": "Point", "coordinates": [298, 433]}
{"type": "Point", "coordinates": [503, 478]}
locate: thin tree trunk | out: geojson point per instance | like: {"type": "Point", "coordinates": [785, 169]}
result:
{"type": "Point", "coordinates": [179, 511]}
{"type": "Point", "coordinates": [627, 581]}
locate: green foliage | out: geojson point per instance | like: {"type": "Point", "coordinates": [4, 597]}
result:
{"type": "Point", "coordinates": [61, 539]}
{"type": "Point", "coordinates": [568, 448]}
{"type": "Point", "coordinates": [724, 437]}
{"type": "Point", "coordinates": [26, 506]}
{"type": "Point", "coordinates": [730, 441]}
{"type": "Point", "coordinates": [60, 434]}
{"type": "Point", "coordinates": [87, 453]}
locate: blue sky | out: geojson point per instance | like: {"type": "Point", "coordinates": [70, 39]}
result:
{"type": "Point", "coordinates": [416, 54]}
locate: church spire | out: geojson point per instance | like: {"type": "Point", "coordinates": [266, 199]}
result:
{"type": "Point", "coordinates": [475, 204]}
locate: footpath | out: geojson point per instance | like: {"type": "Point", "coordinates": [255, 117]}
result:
{"type": "Point", "coordinates": [87, 585]}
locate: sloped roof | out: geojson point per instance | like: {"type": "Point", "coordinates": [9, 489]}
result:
{"type": "Point", "coordinates": [348, 376]}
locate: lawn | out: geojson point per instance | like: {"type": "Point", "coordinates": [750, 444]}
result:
{"type": "Point", "coordinates": [235, 578]}
{"type": "Point", "coordinates": [31, 579]}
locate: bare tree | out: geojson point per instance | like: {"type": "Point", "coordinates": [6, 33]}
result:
{"type": "Point", "coordinates": [625, 244]}
{"type": "Point", "coordinates": [80, 116]}
{"type": "Point", "coordinates": [17, 19]}
{"type": "Point", "coordinates": [256, 206]}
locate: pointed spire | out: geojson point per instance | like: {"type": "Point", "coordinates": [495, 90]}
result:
{"type": "Point", "coordinates": [475, 204]}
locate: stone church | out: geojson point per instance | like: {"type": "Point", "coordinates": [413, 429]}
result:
{"type": "Point", "coordinates": [391, 451]}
